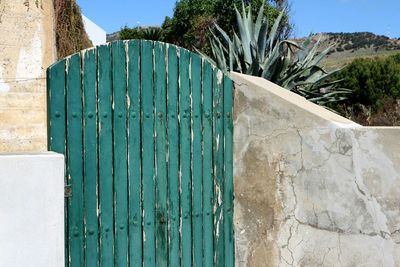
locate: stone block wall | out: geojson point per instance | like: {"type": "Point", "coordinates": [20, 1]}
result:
{"type": "Point", "coordinates": [311, 188]}
{"type": "Point", "coordinates": [27, 48]}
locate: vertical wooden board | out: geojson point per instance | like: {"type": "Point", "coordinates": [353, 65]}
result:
{"type": "Point", "coordinates": [120, 153]}
{"type": "Point", "coordinates": [208, 181]}
{"type": "Point", "coordinates": [105, 156]}
{"type": "Point", "coordinates": [197, 161]}
{"type": "Point", "coordinates": [56, 124]}
{"type": "Point", "coordinates": [90, 156]}
{"type": "Point", "coordinates": [160, 80]}
{"type": "Point", "coordinates": [134, 155]}
{"type": "Point", "coordinates": [56, 107]}
{"type": "Point", "coordinates": [173, 158]}
{"type": "Point", "coordinates": [74, 160]}
{"type": "Point", "coordinates": [228, 177]}
{"type": "Point", "coordinates": [149, 253]}
{"type": "Point", "coordinates": [218, 162]}
{"type": "Point", "coordinates": [185, 156]}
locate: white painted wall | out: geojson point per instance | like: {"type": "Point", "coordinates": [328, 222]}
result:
{"type": "Point", "coordinates": [32, 210]}
{"type": "Point", "coordinates": [96, 34]}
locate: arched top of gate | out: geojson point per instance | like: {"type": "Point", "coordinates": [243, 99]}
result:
{"type": "Point", "coordinates": [136, 45]}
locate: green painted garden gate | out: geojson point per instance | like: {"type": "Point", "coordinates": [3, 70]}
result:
{"type": "Point", "coordinates": [146, 130]}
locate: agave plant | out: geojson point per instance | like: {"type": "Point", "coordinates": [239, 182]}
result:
{"type": "Point", "coordinates": [304, 76]}
{"type": "Point", "coordinates": [258, 51]}
{"type": "Point", "coordinates": [152, 33]}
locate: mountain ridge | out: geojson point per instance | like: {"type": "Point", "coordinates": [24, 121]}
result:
{"type": "Point", "coordinates": [348, 46]}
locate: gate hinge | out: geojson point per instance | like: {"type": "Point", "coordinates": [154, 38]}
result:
{"type": "Point", "coordinates": [67, 191]}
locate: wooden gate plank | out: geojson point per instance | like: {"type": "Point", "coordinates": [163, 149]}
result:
{"type": "Point", "coordinates": [185, 156]}
{"type": "Point", "coordinates": [148, 153]}
{"type": "Point", "coordinates": [56, 107]}
{"type": "Point", "coordinates": [56, 125]}
{"type": "Point", "coordinates": [105, 156]}
{"type": "Point", "coordinates": [134, 157]}
{"type": "Point", "coordinates": [149, 156]}
{"type": "Point", "coordinates": [74, 160]}
{"type": "Point", "coordinates": [197, 161]}
{"type": "Point", "coordinates": [218, 155]}
{"type": "Point", "coordinates": [120, 153]}
{"type": "Point", "coordinates": [208, 187]}
{"type": "Point", "coordinates": [228, 174]}
{"type": "Point", "coordinates": [173, 158]}
{"type": "Point", "coordinates": [160, 80]}
{"type": "Point", "coordinates": [90, 156]}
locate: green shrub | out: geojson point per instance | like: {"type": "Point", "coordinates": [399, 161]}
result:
{"type": "Point", "coordinates": [149, 33]}
{"type": "Point", "coordinates": [131, 33]}
{"type": "Point", "coordinates": [372, 80]}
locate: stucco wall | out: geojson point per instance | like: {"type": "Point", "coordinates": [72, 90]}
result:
{"type": "Point", "coordinates": [27, 48]}
{"type": "Point", "coordinates": [32, 210]}
{"type": "Point", "coordinates": [311, 188]}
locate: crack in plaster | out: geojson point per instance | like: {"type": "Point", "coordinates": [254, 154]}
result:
{"type": "Point", "coordinates": [367, 198]}
{"type": "Point", "coordinates": [335, 147]}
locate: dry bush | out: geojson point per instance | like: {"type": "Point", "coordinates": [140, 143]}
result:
{"type": "Point", "coordinates": [388, 115]}
{"type": "Point", "coordinates": [71, 36]}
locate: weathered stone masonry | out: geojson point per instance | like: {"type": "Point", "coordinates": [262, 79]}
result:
{"type": "Point", "coordinates": [27, 48]}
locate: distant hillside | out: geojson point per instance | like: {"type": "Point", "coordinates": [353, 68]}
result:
{"type": "Point", "coordinates": [112, 36]}
{"type": "Point", "coordinates": [349, 46]}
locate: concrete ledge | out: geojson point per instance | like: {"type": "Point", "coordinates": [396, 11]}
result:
{"type": "Point", "coordinates": [260, 87]}
{"type": "Point", "coordinates": [32, 210]}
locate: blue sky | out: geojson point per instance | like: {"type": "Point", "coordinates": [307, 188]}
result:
{"type": "Point", "coordinates": [377, 16]}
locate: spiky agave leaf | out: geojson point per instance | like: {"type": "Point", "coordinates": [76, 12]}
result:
{"type": "Point", "coordinates": [272, 36]}
{"type": "Point", "coordinates": [257, 50]}
{"type": "Point", "coordinates": [152, 33]}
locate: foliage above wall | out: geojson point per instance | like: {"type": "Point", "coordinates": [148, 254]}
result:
{"type": "Point", "coordinates": [376, 86]}
{"type": "Point", "coordinates": [149, 33]}
{"type": "Point", "coordinates": [71, 36]}
{"type": "Point", "coordinates": [188, 27]}
{"type": "Point", "coordinates": [257, 49]}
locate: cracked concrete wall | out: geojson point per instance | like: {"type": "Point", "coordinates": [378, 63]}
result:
{"type": "Point", "coordinates": [311, 188]}
{"type": "Point", "coordinates": [27, 48]}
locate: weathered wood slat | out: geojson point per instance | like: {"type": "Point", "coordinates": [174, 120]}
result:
{"type": "Point", "coordinates": [185, 155]}
{"type": "Point", "coordinates": [74, 160]}
{"type": "Point", "coordinates": [134, 155]}
{"type": "Point", "coordinates": [160, 80]}
{"type": "Point", "coordinates": [106, 191]}
{"type": "Point", "coordinates": [173, 159]}
{"type": "Point", "coordinates": [218, 155]}
{"type": "Point", "coordinates": [228, 174]}
{"type": "Point", "coordinates": [56, 120]}
{"type": "Point", "coordinates": [149, 245]}
{"type": "Point", "coordinates": [197, 161]}
{"type": "Point", "coordinates": [208, 181]}
{"type": "Point", "coordinates": [56, 125]}
{"type": "Point", "coordinates": [120, 153]}
{"type": "Point", "coordinates": [90, 156]}
{"type": "Point", "coordinates": [149, 156]}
